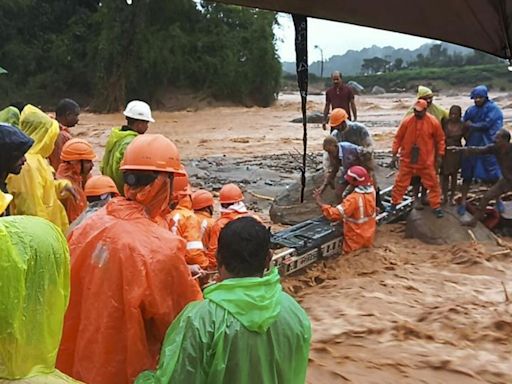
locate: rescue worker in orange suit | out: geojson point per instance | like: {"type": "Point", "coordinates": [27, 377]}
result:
{"type": "Point", "coordinates": [202, 204]}
{"type": "Point", "coordinates": [420, 142]}
{"type": "Point", "coordinates": [184, 223]}
{"type": "Point", "coordinates": [357, 211]}
{"type": "Point", "coordinates": [76, 166]}
{"type": "Point", "coordinates": [129, 277]}
{"type": "Point", "coordinates": [231, 208]}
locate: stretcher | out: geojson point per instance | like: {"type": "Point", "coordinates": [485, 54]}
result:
{"type": "Point", "coordinates": [301, 245]}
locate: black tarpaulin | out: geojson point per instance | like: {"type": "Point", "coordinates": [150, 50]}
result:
{"type": "Point", "coordinates": [480, 24]}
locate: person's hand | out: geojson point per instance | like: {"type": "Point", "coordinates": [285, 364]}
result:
{"type": "Point", "coordinates": [394, 162]}
{"type": "Point", "coordinates": [196, 271]}
{"type": "Point", "coordinates": [439, 161]}
{"type": "Point", "coordinates": [71, 191]}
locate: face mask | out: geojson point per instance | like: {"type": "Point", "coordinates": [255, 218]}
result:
{"type": "Point", "coordinates": [154, 197]}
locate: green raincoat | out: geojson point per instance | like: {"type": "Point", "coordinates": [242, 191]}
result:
{"type": "Point", "coordinates": [34, 292]}
{"type": "Point", "coordinates": [10, 115]}
{"type": "Point", "coordinates": [246, 331]}
{"type": "Point", "coordinates": [438, 112]}
{"type": "Point", "coordinates": [114, 152]}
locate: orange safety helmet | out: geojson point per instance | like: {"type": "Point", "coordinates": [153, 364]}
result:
{"type": "Point", "coordinates": [181, 186]}
{"type": "Point", "coordinates": [99, 185]}
{"type": "Point", "coordinates": [152, 152]}
{"type": "Point", "coordinates": [338, 116]}
{"type": "Point", "coordinates": [77, 149]}
{"type": "Point", "coordinates": [201, 199]}
{"type": "Point", "coordinates": [230, 193]}
{"type": "Point", "coordinates": [358, 175]}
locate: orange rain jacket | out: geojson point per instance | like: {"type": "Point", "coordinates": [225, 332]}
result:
{"type": "Point", "coordinates": [71, 172]}
{"type": "Point", "coordinates": [206, 221]}
{"type": "Point", "coordinates": [184, 223]}
{"type": "Point", "coordinates": [428, 135]}
{"type": "Point", "coordinates": [358, 214]}
{"type": "Point", "coordinates": [129, 280]}
{"type": "Point", "coordinates": [225, 218]}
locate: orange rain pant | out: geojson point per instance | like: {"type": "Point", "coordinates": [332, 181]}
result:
{"type": "Point", "coordinates": [428, 178]}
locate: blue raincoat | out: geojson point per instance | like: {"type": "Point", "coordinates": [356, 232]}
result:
{"type": "Point", "coordinates": [486, 121]}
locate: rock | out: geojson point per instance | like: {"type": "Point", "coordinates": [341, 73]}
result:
{"type": "Point", "coordinates": [376, 90]}
{"type": "Point", "coordinates": [356, 87]}
{"type": "Point", "coordinates": [312, 118]}
{"type": "Point", "coordinates": [287, 209]}
{"type": "Point", "coordinates": [424, 226]}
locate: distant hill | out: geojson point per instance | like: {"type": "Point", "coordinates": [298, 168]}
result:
{"type": "Point", "coordinates": [350, 62]}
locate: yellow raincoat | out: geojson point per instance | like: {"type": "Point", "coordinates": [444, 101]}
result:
{"type": "Point", "coordinates": [34, 293]}
{"type": "Point", "coordinates": [438, 112]}
{"type": "Point", "coordinates": [10, 115]}
{"type": "Point", "coordinates": [35, 190]}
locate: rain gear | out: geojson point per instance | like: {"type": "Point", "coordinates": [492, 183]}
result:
{"type": "Point", "coordinates": [129, 280]}
{"type": "Point", "coordinates": [227, 215]}
{"type": "Point", "coordinates": [428, 136]}
{"type": "Point", "coordinates": [358, 214]}
{"type": "Point", "coordinates": [35, 191]}
{"type": "Point", "coordinates": [11, 116]}
{"type": "Point", "coordinates": [13, 145]}
{"type": "Point", "coordinates": [206, 222]}
{"type": "Point", "coordinates": [91, 208]}
{"type": "Point", "coordinates": [486, 121]}
{"type": "Point", "coordinates": [34, 295]}
{"type": "Point", "coordinates": [435, 110]}
{"type": "Point", "coordinates": [63, 137]}
{"type": "Point", "coordinates": [117, 142]}
{"type": "Point", "coordinates": [246, 331]}
{"type": "Point", "coordinates": [185, 224]}
{"type": "Point", "coordinates": [71, 171]}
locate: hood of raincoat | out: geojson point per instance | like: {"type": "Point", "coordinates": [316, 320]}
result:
{"type": "Point", "coordinates": [10, 115]}
{"type": "Point", "coordinates": [479, 91]}
{"type": "Point", "coordinates": [13, 145]}
{"type": "Point", "coordinates": [254, 301]}
{"type": "Point", "coordinates": [34, 294]}
{"type": "Point", "coordinates": [41, 128]}
{"type": "Point", "coordinates": [423, 92]}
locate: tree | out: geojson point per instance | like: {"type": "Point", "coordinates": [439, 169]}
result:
{"type": "Point", "coordinates": [398, 63]}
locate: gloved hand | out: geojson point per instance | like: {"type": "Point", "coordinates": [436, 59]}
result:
{"type": "Point", "coordinates": [394, 162]}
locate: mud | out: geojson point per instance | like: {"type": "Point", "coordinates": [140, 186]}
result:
{"type": "Point", "coordinates": [402, 312]}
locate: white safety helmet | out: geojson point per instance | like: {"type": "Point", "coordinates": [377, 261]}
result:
{"type": "Point", "coordinates": [138, 110]}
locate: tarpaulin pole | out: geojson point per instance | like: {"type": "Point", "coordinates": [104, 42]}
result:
{"type": "Point", "coordinates": [301, 61]}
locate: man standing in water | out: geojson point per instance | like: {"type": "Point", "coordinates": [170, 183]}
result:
{"type": "Point", "coordinates": [339, 96]}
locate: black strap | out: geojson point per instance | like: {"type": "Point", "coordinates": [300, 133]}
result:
{"type": "Point", "coordinates": [301, 53]}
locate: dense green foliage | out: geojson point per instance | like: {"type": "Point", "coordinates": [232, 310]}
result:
{"type": "Point", "coordinates": [105, 53]}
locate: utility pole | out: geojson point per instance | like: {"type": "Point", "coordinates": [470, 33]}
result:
{"type": "Point", "coordinates": [321, 61]}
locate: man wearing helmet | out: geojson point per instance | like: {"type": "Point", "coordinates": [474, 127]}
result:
{"type": "Point", "coordinates": [202, 204]}
{"type": "Point", "coordinates": [76, 165]}
{"type": "Point", "coordinates": [345, 130]}
{"type": "Point", "coordinates": [231, 208]}
{"type": "Point", "coordinates": [184, 223]}
{"type": "Point", "coordinates": [138, 116]}
{"type": "Point", "coordinates": [129, 277]}
{"type": "Point", "coordinates": [357, 211]}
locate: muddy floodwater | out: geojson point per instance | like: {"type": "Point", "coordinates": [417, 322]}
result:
{"type": "Point", "coordinates": [402, 312]}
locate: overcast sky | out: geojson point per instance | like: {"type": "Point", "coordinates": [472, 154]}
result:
{"type": "Point", "coordinates": [336, 38]}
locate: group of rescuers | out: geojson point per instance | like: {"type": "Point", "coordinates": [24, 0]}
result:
{"type": "Point", "coordinates": [428, 143]}
{"type": "Point", "coordinates": [100, 277]}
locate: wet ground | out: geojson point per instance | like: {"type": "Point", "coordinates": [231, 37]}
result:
{"type": "Point", "coordinates": [402, 312]}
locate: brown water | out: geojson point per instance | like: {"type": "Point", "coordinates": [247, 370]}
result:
{"type": "Point", "coordinates": [402, 312]}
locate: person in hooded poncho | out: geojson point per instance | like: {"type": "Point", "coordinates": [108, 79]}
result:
{"type": "Point", "coordinates": [247, 330]}
{"type": "Point", "coordinates": [11, 116]}
{"type": "Point", "coordinates": [138, 116]}
{"type": "Point", "coordinates": [34, 295]}
{"type": "Point", "coordinates": [129, 278]}
{"type": "Point", "coordinates": [13, 146]}
{"type": "Point", "coordinates": [482, 121]}
{"type": "Point", "coordinates": [35, 190]}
